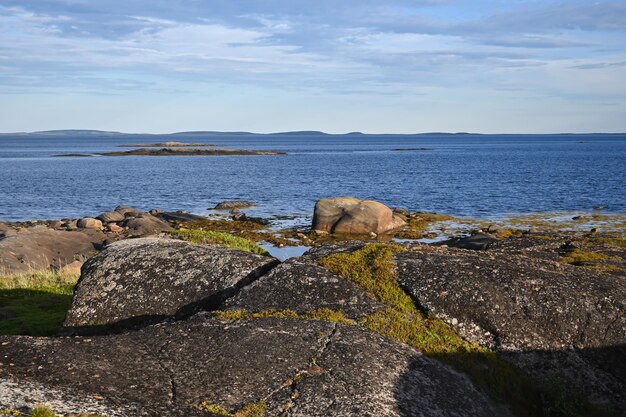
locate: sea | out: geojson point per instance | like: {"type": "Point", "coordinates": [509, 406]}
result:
{"type": "Point", "coordinates": [482, 176]}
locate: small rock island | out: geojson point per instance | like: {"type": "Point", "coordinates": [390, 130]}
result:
{"type": "Point", "coordinates": [180, 151]}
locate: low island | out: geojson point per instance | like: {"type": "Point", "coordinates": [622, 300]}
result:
{"type": "Point", "coordinates": [182, 151]}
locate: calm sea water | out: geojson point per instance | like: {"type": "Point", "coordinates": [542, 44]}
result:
{"type": "Point", "coordinates": [483, 176]}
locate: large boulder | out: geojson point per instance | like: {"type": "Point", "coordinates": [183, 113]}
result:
{"type": "Point", "coordinates": [41, 248]}
{"type": "Point", "coordinates": [516, 302]}
{"type": "Point", "coordinates": [348, 215]}
{"type": "Point", "coordinates": [128, 211]}
{"type": "Point", "coordinates": [303, 367]}
{"type": "Point", "coordinates": [145, 225]}
{"type": "Point", "coordinates": [302, 285]}
{"type": "Point", "coordinates": [139, 280]}
{"type": "Point", "coordinates": [557, 322]}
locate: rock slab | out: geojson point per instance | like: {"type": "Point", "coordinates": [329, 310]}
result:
{"type": "Point", "coordinates": [142, 279]}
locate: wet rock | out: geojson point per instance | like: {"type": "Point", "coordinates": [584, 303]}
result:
{"type": "Point", "coordinates": [139, 280]}
{"type": "Point", "coordinates": [348, 215]}
{"type": "Point", "coordinates": [176, 366]}
{"type": "Point", "coordinates": [41, 248]}
{"type": "Point", "coordinates": [178, 216]}
{"type": "Point", "coordinates": [476, 242]}
{"type": "Point", "coordinates": [302, 285]}
{"type": "Point", "coordinates": [89, 223]}
{"type": "Point", "coordinates": [111, 217]}
{"type": "Point", "coordinates": [145, 225]}
{"type": "Point", "coordinates": [238, 204]}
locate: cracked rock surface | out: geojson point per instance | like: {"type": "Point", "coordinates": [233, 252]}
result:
{"type": "Point", "coordinates": [557, 322]}
{"type": "Point", "coordinates": [300, 285]}
{"type": "Point", "coordinates": [139, 279]}
{"type": "Point", "coordinates": [297, 367]}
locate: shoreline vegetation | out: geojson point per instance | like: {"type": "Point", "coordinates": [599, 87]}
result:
{"type": "Point", "coordinates": [182, 150]}
{"type": "Point", "coordinates": [590, 246]}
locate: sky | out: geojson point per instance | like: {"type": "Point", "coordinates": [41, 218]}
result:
{"type": "Point", "coordinates": [383, 66]}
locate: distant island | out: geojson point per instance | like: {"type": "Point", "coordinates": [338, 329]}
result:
{"type": "Point", "coordinates": [412, 149]}
{"type": "Point", "coordinates": [87, 132]}
{"type": "Point", "coordinates": [165, 145]}
{"type": "Point", "coordinates": [178, 152]}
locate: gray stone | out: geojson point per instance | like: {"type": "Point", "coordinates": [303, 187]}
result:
{"type": "Point", "coordinates": [237, 204]}
{"type": "Point", "coordinates": [139, 280]}
{"type": "Point", "coordinates": [556, 322]}
{"type": "Point", "coordinates": [301, 285]}
{"type": "Point", "coordinates": [306, 367]}
{"type": "Point", "coordinates": [111, 217]}
{"type": "Point", "coordinates": [145, 225]}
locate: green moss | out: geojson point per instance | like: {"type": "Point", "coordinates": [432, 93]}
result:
{"type": "Point", "coordinates": [219, 238]}
{"type": "Point", "coordinates": [251, 410]}
{"type": "Point", "coordinates": [35, 304]}
{"type": "Point", "coordinates": [418, 223]}
{"type": "Point", "coordinates": [250, 230]}
{"type": "Point", "coordinates": [325, 314]}
{"type": "Point", "coordinates": [372, 268]}
{"type": "Point", "coordinates": [610, 241]}
{"type": "Point", "coordinates": [42, 411]}
{"type": "Point", "coordinates": [580, 257]}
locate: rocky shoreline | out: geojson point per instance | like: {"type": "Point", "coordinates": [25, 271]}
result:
{"type": "Point", "coordinates": [176, 314]}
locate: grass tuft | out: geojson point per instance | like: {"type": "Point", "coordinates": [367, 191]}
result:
{"type": "Point", "coordinates": [42, 411]}
{"type": "Point", "coordinates": [220, 238]}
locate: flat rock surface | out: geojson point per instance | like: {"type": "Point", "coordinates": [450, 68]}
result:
{"type": "Point", "coordinates": [139, 279]}
{"type": "Point", "coordinates": [516, 302]}
{"type": "Point", "coordinates": [302, 367]}
{"type": "Point", "coordinates": [302, 285]}
{"type": "Point", "coordinates": [41, 248]}
{"type": "Point", "coordinates": [556, 322]}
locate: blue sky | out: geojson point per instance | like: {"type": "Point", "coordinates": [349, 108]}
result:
{"type": "Point", "coordinates": [334, 65]}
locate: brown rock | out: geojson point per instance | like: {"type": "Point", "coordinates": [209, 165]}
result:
{"type": "Point", "coordinates": [38, 248]}
{"type": "Point", "coordinates": [348, 215]}
{"type": "Point", "coordinates": [89, 223]}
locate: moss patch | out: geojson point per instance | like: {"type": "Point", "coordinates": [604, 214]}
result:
{"type": "Point", "coordinates": [219, 238]}
{"type": "Point", "coordinates": [251, 410]}
{"type": "Point", "coordinates": [580, 257]}
{"type": "Point", "coordinates": [418, 223]}
{"type": "Point", "coordinates": [35, 304]}
{"type": "Point", "coordinates": [325, 314]}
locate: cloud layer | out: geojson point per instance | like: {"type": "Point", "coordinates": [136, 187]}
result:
{"type": "Point", "coordinates": [418, 65]}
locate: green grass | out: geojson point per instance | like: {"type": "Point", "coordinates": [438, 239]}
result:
{"type": "Point", "coordinates": [34, 304]}
{"type": "Point", "coordinates": [373, 268]}
{"type": "Point", "coordinates": [219, 238]}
